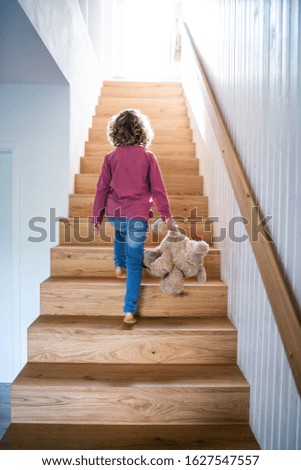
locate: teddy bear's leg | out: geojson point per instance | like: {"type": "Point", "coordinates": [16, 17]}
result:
{"type": "Point", "coordinates": [150, 255]}
{"type": "Point", "coordinates": [162, 265]}
{"type": "Point", "coordinates": [173, 283]}
{"type": "Point", "coordinates": [202, 276]}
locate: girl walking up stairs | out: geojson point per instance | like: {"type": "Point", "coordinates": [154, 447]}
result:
{"type": "Point", "coordinates": [170, 381]}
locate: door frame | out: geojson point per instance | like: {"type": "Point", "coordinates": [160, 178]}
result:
{"type": "Point", "coordinates": [14, 149]}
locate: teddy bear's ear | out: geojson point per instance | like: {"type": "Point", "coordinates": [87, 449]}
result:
{"type": "Point", "coordinates": [202, 247]}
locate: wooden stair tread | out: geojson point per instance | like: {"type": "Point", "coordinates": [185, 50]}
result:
{"type": "Point", "coordinates": [91, 295]}
{"type": "Point", "coordinates": [175, 184]}
{"type": "Point", "coordinates": [152, 281]}
{"type": "Point", "coordinates": [117, 437]}
{"type": "Point", "coordinates": [178, 166]}
{"type": "Point", "coordinates": [100, 249]}
{"type": "Point", "coordinates": [107, 340]}
{"type": "Point", "coordinates": [145, 325]}
{"type": "Point", "coordinates": [132, 83]}
{"type": "Point", "coordinates": [131, 375]}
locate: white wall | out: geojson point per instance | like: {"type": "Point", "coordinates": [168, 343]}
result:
{"type": "Point", "coordinates": [6, 274]}
{"type": "Point", "coordinates": [250, 52]}
{"type": "Point", "coordinates": [62, 28]}
{"type": "Point", "coordinates": [49, 84]}
{"type": "Point", "coordinates": [92, 11]}
{"type": "Point", "coordinates": [36, 117]}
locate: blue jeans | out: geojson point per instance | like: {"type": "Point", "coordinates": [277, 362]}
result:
{"type": "Point", "coordinates": [130, 235]}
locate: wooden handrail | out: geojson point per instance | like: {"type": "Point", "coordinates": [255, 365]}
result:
{"type": "Point", "coordinates": [281, 297]}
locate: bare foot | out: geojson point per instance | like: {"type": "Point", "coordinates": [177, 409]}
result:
{"type": "Point", "coordinates": [120, 272]}
{"type": "Point", "coordinates": [129, 318]}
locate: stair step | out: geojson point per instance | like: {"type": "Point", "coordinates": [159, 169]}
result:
{"type": "Point", "coordinates": [98, 261]}
{"type": "Point", "coordinates": [108, 340]}
{"type": "Point", "coordinates": [97, 149]}
{"type": "Point", "coordinates": [133, 92]}
{"type": "Point", "coordinates": [105, 296]}
{"type": "Point", "coordinates": [81, 205]}
{"type": "Point", "coordinates": [168, 165]}
{"type": "Point", "coordinates": [143, 85]}
{"type": "Point", "coordinates": [165, 110]}
{"type": "Point", "coordinates": [90, 437]}
{"type": "Point", "coordinates": [157, 122]}
{"type": "Point", "coordinates": [138, 102]}
{"type": "Point", "coordinates": [80, 231]}
{"type": "Point", "coordinates": [130, 394]}
{"type": "Point", "coordinates": [175, 184]}
{"type": "Point", "coordinates": [163, 137]}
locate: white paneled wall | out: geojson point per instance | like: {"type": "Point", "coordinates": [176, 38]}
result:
{"type": "Point", "coordinates": [251, 53]}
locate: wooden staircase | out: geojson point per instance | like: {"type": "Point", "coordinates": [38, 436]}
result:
{"type": "Point", "coordinates": [169, 382]}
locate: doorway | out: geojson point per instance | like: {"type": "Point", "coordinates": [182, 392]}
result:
{"type": "Point", "coordinates": [10, 333]}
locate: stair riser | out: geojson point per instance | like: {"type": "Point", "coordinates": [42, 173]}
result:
{"type": "Point", "coordinates": [153, 112]}
{"type": "Point", "coordinates": [154, 147]}
{"type": "Point", "coordinates": [108, 300]}
{"type": "Point", "coordinates": [128, 405]}
{"type": "Point", "coordinates": [71, 345]}
{"type": "Point", "coordinates": [161, 137]}
{"type": "Point", "coordinates": [133, 85]}
{"type": "Point", "coordinates": [82, 233]}
{"type": "Point", "coordinates": [86, 264]}
{"type": "Point", "coordinates": [136, 93]}
{"type": "Point", "coordinates": [175, 185]}
{"type": "Point", "coordinates": [135, 102]}
{"type": "Point", "coordinates": [168, 165]}
{"type": "Point", "coordinates": [94, 149]}
{"type": "Point", "coordinates": [82, 205]}
{"type": "Point", "coordinates": [56, 437]}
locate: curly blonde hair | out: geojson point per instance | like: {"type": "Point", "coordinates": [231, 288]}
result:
{"type": "Point", "coordinates": [129, 127]}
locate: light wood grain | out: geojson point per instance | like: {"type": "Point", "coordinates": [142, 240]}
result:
{"type": "Point", "coordinates": [280, 294]}
{"type": "Point", "coordinates": [141, 101]}
{"type": "Point", "coordinates": [175, 184]}
{"type": "Point", "coordinates": [97, 149]}
{"type": "Point", "coordinates": [181, 206]}
{"type": "Point", "coordinates": [142, 85]}
{"type": "Point", "coordinates": [96, 296]}
{"type": "Point", "coordinates": [91, 437]}
{"type": "Point", "coordinates": [98, 261]}
{"type": "Point", "coordinates": [151, 92]}
{"type": "Point", "coordinates": [130, 394]}
{"type": "Point", "coordinates": [168, 165]}
{"type": "Point", "coordinates": [151, 111]}
{"type": "Point", "coordinates": [151, 341]}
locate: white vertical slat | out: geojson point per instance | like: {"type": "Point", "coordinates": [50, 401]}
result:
{"type": "Point", "coordinates": [251, 52]}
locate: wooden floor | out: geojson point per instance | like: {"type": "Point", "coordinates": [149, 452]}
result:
{"type": "Point", "coordinates": [169, 382]}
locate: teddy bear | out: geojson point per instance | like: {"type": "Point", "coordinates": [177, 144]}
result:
{"type": "Point", "coordinates": [175, 259]}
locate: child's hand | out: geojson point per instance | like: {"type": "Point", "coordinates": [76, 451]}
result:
{"type": "Point", "coordinates": [96, 228]}
{"type": "Point", "coordinates": [171, 224]}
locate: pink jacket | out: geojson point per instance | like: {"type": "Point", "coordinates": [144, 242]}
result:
{"type": "Point", "coordinates": [129, 183]}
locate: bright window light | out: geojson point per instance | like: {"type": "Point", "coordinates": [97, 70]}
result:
{"type": "Point", "coordinates": [144, 32]}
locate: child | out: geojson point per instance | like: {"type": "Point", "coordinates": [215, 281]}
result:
{"type": "Point", "coordinates": [130, 181]}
